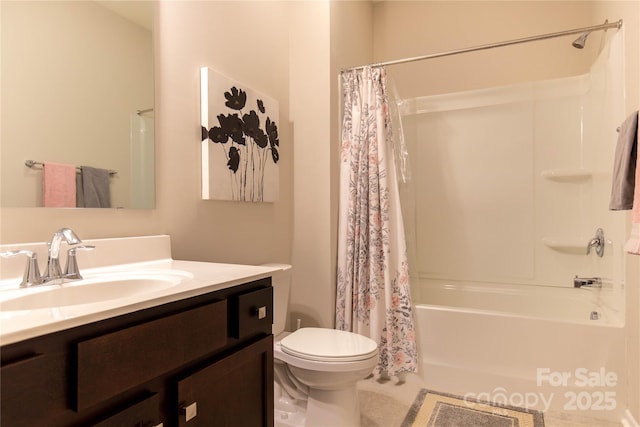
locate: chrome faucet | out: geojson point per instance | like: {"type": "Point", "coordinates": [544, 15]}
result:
{"type": "Point", "coordinates": [53, 262]}
{"type": "Point", "coordinates": [53, 272]}
{"type": "Point", "coordinates": [597, 243]}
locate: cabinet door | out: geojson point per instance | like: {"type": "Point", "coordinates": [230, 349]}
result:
{"type": "Point", "coordinates": [235, 391]}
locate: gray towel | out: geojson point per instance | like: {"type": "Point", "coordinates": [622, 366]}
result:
{"type": "Point", "coordinates": [624, 166]}
{"type": "Point", "coordinates": [93, 188]}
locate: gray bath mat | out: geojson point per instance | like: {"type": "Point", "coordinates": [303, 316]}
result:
{"type": "Point", "coordinates": [433, 409]}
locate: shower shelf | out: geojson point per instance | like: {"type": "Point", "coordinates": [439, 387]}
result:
{"type": "Point", "coordinates": [566, 175]}
{"type": "Point", "coordinates": [567, 246]}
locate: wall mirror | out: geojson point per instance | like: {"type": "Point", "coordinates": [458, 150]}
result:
{"type": "Point", "coordinates": [77, 88]}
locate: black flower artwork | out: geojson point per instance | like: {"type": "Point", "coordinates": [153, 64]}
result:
{"type": "Point", "coordinates": [246, 144]}
{"type": "Point", "coordinates": [236, 99]}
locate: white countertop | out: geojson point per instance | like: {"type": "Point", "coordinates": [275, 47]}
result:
{"type": "Point", "coordinates": [19, 325]}
{"type": "Point", "coordinates": [196, 278]}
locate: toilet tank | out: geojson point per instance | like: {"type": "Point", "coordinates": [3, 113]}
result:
{"type": "Point", "coordinates": [281, 281]}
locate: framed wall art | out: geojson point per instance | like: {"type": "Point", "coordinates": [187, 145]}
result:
{"type": "Point", "coordinates": [240, 145]}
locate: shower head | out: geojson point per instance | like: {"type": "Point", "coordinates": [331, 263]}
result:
{"type": "Point", "coordinates": [580, 41]}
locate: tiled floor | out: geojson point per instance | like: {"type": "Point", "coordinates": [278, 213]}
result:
{"type": "Point", "coordinates": [384, 403]}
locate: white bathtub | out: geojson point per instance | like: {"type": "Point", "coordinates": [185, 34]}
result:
{"type": "Point", "coordinates": [527, 346]}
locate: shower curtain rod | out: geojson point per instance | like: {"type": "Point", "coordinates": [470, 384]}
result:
{"type": "Point", "coordinates": [605, 26]}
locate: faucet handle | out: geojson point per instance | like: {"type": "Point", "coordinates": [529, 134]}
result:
{"type": "Point", "coordinates": [597, 242]}
{"type": "Point", "coordinates": [71, 270]}
{"type": "Point", "coordinates": [32, 274]}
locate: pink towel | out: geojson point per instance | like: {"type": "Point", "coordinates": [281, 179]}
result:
{"type": "Point", "coordinates": [633, 244]}
{"type": "Point", "coordinates": [58, 185]}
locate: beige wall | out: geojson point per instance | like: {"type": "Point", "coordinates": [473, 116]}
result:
{"type": "Point", "coordinates": [408, 29]}
{"type": "Point", "coordinates": [309, 83]}
{"type": "Point", "coordinates": [247, 41]}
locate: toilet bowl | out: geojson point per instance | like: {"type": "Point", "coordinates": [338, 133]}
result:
{"type": "Point", "coordinates": [328, 363]}
{"type": "Point", "coordinates": [317, 369]}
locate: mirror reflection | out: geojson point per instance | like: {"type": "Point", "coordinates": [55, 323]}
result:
{"type": "Point", "coordinates": [77, 89]}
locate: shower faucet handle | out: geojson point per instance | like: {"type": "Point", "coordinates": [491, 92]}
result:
{"type": "Point", "coordinates": [597, 243]}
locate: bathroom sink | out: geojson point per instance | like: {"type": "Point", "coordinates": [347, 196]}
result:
{"type": "Point", "coordinates": [92, 290]}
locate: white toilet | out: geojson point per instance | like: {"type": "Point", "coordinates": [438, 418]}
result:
{"type": "Point", "coordinates": [316, 369]}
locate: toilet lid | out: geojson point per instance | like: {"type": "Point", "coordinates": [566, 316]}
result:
{"type": "Point", "coordinates": [328, 345]}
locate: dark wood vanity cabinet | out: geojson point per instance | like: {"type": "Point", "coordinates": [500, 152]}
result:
{"type": "Point", "coordinates": [202, 361]}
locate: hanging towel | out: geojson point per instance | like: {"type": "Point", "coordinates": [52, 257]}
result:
{"type": "Point", "coordinates": [624, 167]}
{"type": "Point", "coordinates": [58, 185]}
{"type": "Point", "coordinates": [632, 246]}
{"type": "Point", "coordinates": [94, 190]}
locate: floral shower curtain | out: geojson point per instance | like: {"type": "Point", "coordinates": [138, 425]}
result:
{"type": "Point", "coordinates": [373, 296]}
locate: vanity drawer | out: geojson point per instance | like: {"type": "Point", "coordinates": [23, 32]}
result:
{"type": "Point", "coordinates": [251, 313]}
{"type": "Point", "coordinates": [115, 362]}
{"type": "Point", "coordinates": [144, 413]}
{"type": "Point", "coordinates": [24, 399]}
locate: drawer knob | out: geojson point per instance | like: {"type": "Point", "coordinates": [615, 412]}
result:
{"type": "Point", "coordinates": [262, 312]}
{"type": "Point", "coordinates": [189, 411]}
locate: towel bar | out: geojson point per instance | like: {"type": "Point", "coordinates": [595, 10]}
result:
{"type": "Point", "coordinates": [33, 164]}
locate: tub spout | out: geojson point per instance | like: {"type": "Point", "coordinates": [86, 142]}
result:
{"type": "Point", "coordinates": [587, 282]}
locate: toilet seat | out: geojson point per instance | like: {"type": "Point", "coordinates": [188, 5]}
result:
{"type": "Point", "coordinates": [328, 345]}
